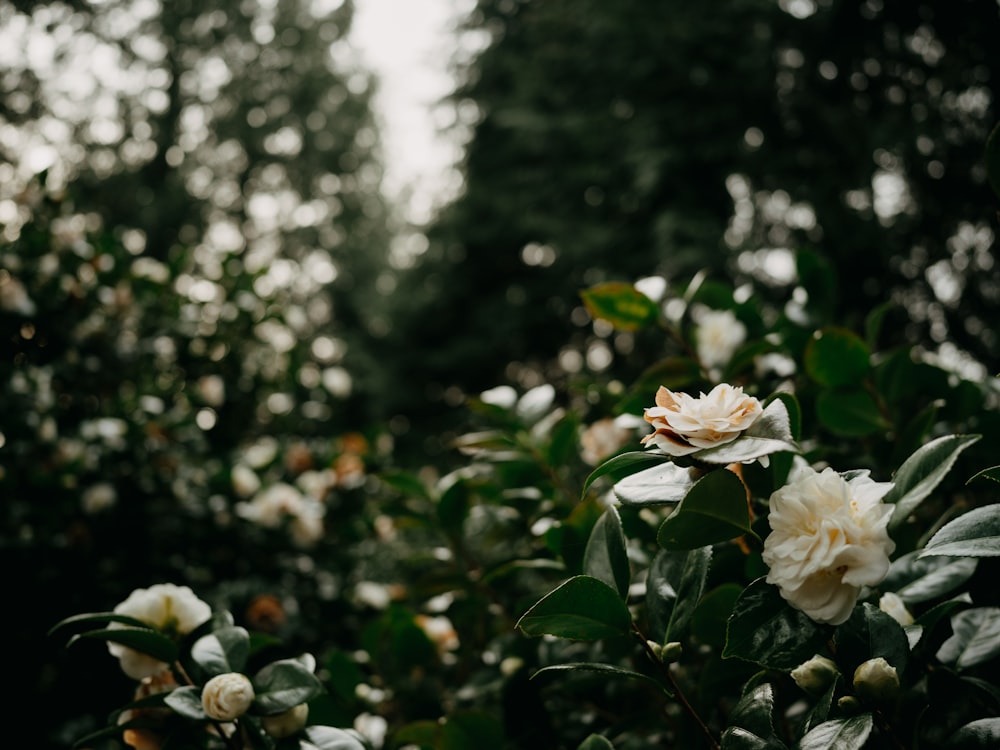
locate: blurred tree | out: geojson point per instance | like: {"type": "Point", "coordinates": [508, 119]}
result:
{"type": "Point", "coordinates": [633, 139]}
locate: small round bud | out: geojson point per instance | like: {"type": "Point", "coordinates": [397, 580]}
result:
{"type": "Point", "coordinates": [849, 704]}
{"type": "Point", "coordinates": [287, 723]}
{"type": "Point", "coordinates": [815, 675]}
{"type": "Point", "coordinates": [876, 681]}
{"type": "Point", "coordinates": [655, 649]}
{"type": "Point", "coordinates": [227, 696]}
{"type": "Point", "coordinates": [671, 651]}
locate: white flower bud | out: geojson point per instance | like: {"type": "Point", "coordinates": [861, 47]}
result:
{"type": "Point", "coordinates": [227, 696]}
{"type": "Point", "coordinates": [876, 681]}
{"type": "Point", "coordinates": [815, 675]}
{"type": "Point", "coordinates": [893, 606]}
{"type": "Point", "coordinates": [288, 723]}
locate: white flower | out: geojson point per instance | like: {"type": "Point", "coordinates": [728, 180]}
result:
{"type": "Point", "coordinates": [372, 727]}
{"type": "Point", "coordinates": [684, 424]}
{"type": "Point", "coordinates": [281, 503]}
{"type": "Point", "coordinates": [98, 497]}
{"type": "Point", "coordinates": [227, 696]}
{"type": "Point", "coordinates": [718, 335]}
{"type": "Point", "coordinates": [212, 389]}
{"type": "Point", "coordinates": [245, 480]}
{"type": "Point", "coordinates": [828, 539]}
{"type": "Point", "coordinates": [286, 724]}
{"type": "Point", "coordinates": [894, 606]}
{"type": "Point", "coordinates": [173, 610]}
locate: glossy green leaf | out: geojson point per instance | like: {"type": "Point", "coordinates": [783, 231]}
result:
{"type": "Point", "coordinates": [975, 638]}
{"type": "Point", "coordinates": [916, 579]}
{"type": "Point", "coordinates": [674, 373]}
{"type": "Point", "coordinates": [186, 701]}
{"type": "Point", "coordinates": [770, 433]}
{"type": "Point", "coordinates": [601, 668]}
{"type": "Point", "coordinates": [605, 557]}
{"type": "Point", "coordinates": [820, 710]}
{"type": "Point", "coordinates": [708, 623]}
{"type": "Point", "coordinates": [583, 608]}
{"type": "Point", "coordinates": [982, 734]}
{"type": "Point", "coordinates": [839, 734]}
{"type": "Point", "coordinates": [922, 472]}
{"type": "Point", "coordinates": [623, 465]}
{"type": "Point", "coordinates": [849, 412]}
{"type": "Point", "coordinates": [753, 712]}
{"type": "Point", "coordinates": [621, 305]}
{"type": "Point", "coordinates": [992, 473]}
{"type": "Point", "coordinates": [284, 684]}
{"type": "Point", "coordinates": [596, 742]}
{"type": "Point", "coordinates": [869, 632]}
{"type": "Point", "coordinates": [221, 651]}
{"type": "Point", "coordinates": [714, 510]}
{"type": "Point", "coordinates": [992, 159]}
{"type": "Point", "coordinates": [765, 630]}
{"type": "Point", "coordinates": [149, 642]}
{"type": "Point", "coordinates": [973, 534]}
{"type": "Point", "coordinates": [330, 738]}
{"type": "Point", "coordinates": [98, 617]}
{"type": "Point", "coordinates": [674, 586]}
{"type": "Point", "coordinates": [660, 485]}
{"type": "Point", "coordinates": [836, 357]}
{"type": "Point", "coordinates": [793, 412]}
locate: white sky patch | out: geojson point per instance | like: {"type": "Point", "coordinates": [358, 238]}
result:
{"type": "Point", "coordinates": [409, 44]}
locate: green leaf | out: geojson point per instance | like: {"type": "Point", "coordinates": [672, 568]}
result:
{"type": "Point", "coordinates": [981, 734]}
{"type": "Point", "coordinates": [708, 623]}
{"type": "Point", "coordinates": [869, 632]}
{"type": "Point", "coordinates": [149, 642]}
{"type": "Point", "coordinates": [223, 650]}
{"type": "Point", "coordinates": [601, 668]}
{"type": "Point", "coordinates": [836, 357]}
{"type": "Point", "coordinates": [596, 742]}
{"type": "Point", "coordinates": [186, 701]}
{"type": "Point", "coordinates": [839, 734]}
{"type": "Point", "coordinates": [753, 711]}
{"type": "Point", "coordinates": [973, 534]}
{"type": "Point", "coordinates": [992, 159]}
{"type": "Point", "coordinates": [282, 685]}
{"type": "Point", "coordinates": [915, 579]}
{"type": "Point", "coordinates": [605, 557]}
{"type": "Point", "coordinates": [660, 485]}
{"type": "Point", "coordinates": [674, 585]}
{"type": "Point", "coordinates": [922, 472]}
{"type": "Point", "coordinates": [99, 617]}
{"type": "Point", "coordinates": [620, 304]}
{"type": "Point", "coordinates": [820, 711]}
{"type": "Point", "coordinates": [422, 733]}
{"type": "Point", "coordinates": [992, 473]}
{"type": "Point", "coordinates": [583, 608]}
{"type": "Point", "coordinates": [770, 433]}
{"type": "Point", "coordinates": [975, 638]}
{"type": "Point", "coordinates": [849, 413]}
{"type": "Point", "coordinates": [624, 464]}
{"type": "Point", "coordinates": [471, 729]}
{"type": "Point", "coordinates": [330, 738]}
{"type": "Point", "coordinates": [793, 412]}
{"type": "Point", "coordinates": [673, 373]}
{"type": "Point", "coordinates": [405, 483]}
{"type": "Point", "coordinates": [737, 738]}
{"type": "Point", "coordinates": [715, 510]}
{"type": "Point", "coordinates": [765, 630]}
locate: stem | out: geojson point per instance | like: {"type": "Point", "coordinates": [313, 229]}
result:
{"type": "Point", "coordinates": [678, 693]}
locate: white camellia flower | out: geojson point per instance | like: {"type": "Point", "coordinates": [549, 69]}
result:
{"type": "Point", "coordinates": [684, 424]}
{"type": "Point", "coordinates": [718, 335]}
{"type": "Point", "coordinates": [828, 539]}
{"type": "Point", "coordinates": [227, 696]}
{"type": "Point", "coordinates": [171, 609]}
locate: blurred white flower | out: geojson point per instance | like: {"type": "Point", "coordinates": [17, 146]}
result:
{"type": "Point", "coordinates": [503, 396]}
{"type": "Point", "coordinates": [828, 539]}
{"type": "Point", "coordinates": [171, 609]}
{"type": "Point", "coordinates": [604, 438]}
{"type": "Point", "coordinates": [440, 631]}
{"type": "Point", "coordinates": [212, 389]}
{"type": "Point", "coordinates": [282, 503]}
{"type": "Point", "coordinates": [14, 297]}
{"type": "Point", "coordinates": [286, 724]}
{"type": "Point", "coordinates": [684, 424]}
{"type": "Point", "coordinates": [894, 606]}
{"type": "Point", "coordinates": [245, 480]}
{"type": "Point", "coordinates": [718, 335]}
{"type": "Point", "coordinates": [227, 696]}
{"type": "Point", "coordinates": [373, 727]}
{"type": "Point", "coordinates": [98, 497]}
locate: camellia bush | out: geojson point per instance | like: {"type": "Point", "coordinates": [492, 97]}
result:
{"type": "Point", "coordinates": [782, 534]}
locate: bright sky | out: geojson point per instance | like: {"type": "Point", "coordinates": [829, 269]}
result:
{"type": "Point", "coordinates": [409, 43]}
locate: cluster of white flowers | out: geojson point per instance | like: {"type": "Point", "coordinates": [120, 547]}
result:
{"type": "Point", "coordinates": [683, 424]}
{"type": "Point", "coordinates": [282, 503]}
{"type": "Point", "coordinates": [828, 540]}
{"type": "Point", "coordinates": [171, 609]}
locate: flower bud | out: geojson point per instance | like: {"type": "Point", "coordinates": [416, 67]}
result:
{"type": "Point", "coordinates": [815, 675]}
{"type": "Point", "coordinates": [893, 606]}
{"type": "Point", "coordinates": [876, 681]}
{"type": "Point", "coordinates": [671, 651]}
{"type": "Point", "coordinates": [288, 723]}
{"type": "Point", "coordinates": [227, 696]}
{"type": "Point", "coordinates": [849, 704]}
